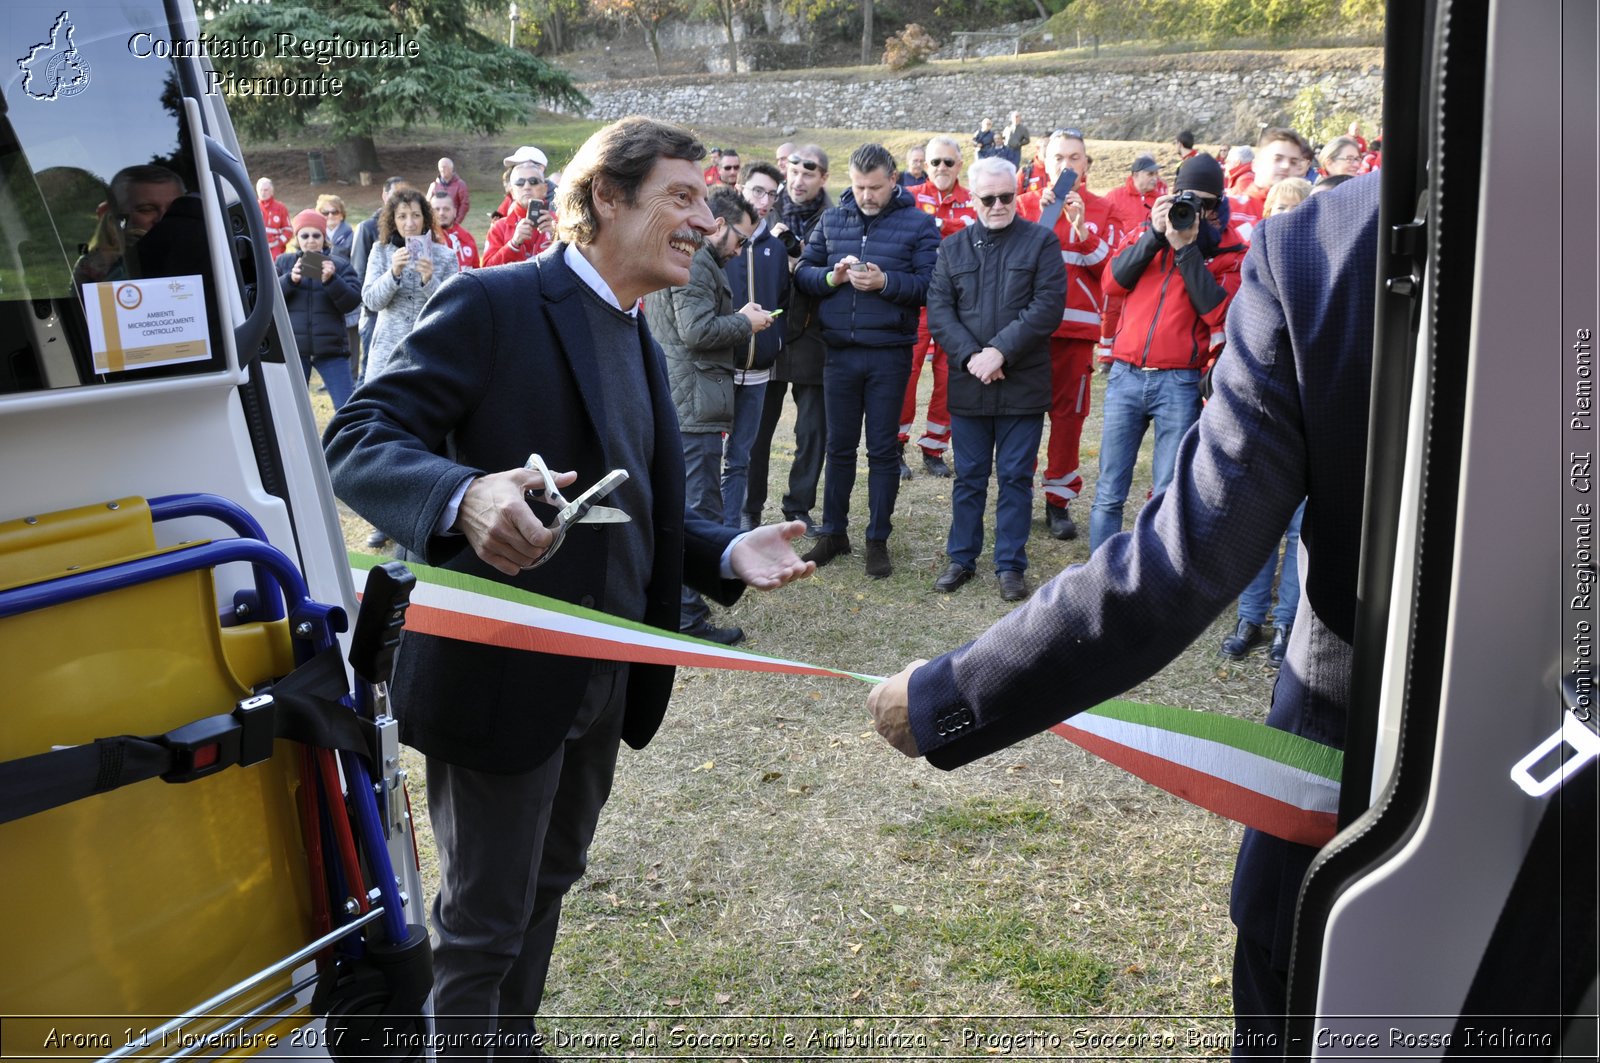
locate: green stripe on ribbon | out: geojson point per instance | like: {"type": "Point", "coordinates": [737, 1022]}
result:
{"type": "Point", "coordinates": [1292, 750]}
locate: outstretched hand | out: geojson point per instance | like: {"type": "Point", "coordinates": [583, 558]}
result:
{"type": "Point", "coordinates": [765, 559]}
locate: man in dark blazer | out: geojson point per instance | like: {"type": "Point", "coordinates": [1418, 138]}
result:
{"type": "Point", "coordinates": [546, 356]}
{"type": "Point", "coordinates": [1287, 420]}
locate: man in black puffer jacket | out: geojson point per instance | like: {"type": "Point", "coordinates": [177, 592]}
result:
{"type": "Point", "coordinates": [995, 299]}
{"type": "Point", "coordinates": [868, 262]}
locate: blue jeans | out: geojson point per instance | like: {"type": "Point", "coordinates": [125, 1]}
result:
{"type": "Point", "coordinates": [335, 374]}
{"type": "Point", "coordinates": [747, 405]}
{"type": "Point", "coordinates": [863, 384]}
{"type": "Point", "coordinates": [702, 466]}
{"type": "Point", "coordinates": [1255, 599]}
{"type": "Point", "coordinates": [1134, 398]}
{"type": "Point", "coordinates": [1013, 445]}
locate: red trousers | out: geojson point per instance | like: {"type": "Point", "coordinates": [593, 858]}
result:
{"type": "Point", "coordinates": [1071, 371]}
{"type": "Point", "coordinates": [936, 440]}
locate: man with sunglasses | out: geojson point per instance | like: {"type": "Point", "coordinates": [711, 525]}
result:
{"type": "Point", "coordinates": [949, 204]}
{"type": "Point", "coordinates": [1086, 231]}
{"type": "Point", "coordinates": [528, 226]}
{"type": "Point", "coordinates": [728, 168]}
{"type": "Point", "coordinates": [704, 339]}
{"type": "Point", "coordinates": [1177, 281]}
{"type": "Point", "coordinates": [993, 302]}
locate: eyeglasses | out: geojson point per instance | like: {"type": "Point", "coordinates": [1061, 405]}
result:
{"type": "Point", "coordinates": [1001, 197]}
{"type": "Point", "coordinates": [754, 194]}
{"type": "Point", "coordinates": [739, 238]}
{"type": "Point", "coordinates": [1345, 158]}
{"type": "Point", "coordinates": [330, 213]}
{"type": "Point", "coordinates": [944, 162]}
{"type": "Point", "coordinates": [807, 164]}
{"type": "Point", "coordinates": [523, 182]}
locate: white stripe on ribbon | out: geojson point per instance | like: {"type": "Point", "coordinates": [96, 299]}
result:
{"type": "Point", "coordinates": [1271, 778]}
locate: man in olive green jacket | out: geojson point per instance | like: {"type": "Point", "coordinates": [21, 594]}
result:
{"type": "Point", "coordinates": [703, 337]}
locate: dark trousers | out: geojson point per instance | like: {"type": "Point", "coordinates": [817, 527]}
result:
{"type": "Point", "coordinates": [863, 385]}
{"type": "Point", "coordinates": [510, 846]}
{"type": "Point", "coordinates": [809, 434]}
{"type": "Point", "coordinates": [702, 466]}
{"type": "Point", "coordinates": [1011, 446]}
{"type": "Point", "coordinates": [1260, 999]}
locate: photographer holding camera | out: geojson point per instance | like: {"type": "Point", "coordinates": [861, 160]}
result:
{"type": "Point", "coordinates": [529, 227]}
{"type": "Point", "coordinates": [1177, 273]}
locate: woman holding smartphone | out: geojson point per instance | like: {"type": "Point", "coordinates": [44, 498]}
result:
{"type": "Point", "coordinates": [407, 266]}
{"type": "Point", "coordinates": [319, 288]}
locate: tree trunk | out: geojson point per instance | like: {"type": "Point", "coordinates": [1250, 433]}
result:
{"type": "Point", "coordinates": [655, 44]}
{"type": "Point", "coordinates": [726, 7]}
{"type": "Point", "coordinates": [1039, 6]}
{"type": "Point", "coordinates": [866, 32]}
{"type": "Point", "coordinates": [352, 155]}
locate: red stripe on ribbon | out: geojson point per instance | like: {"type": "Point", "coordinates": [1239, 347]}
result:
{"type": "Point", "coordinates": [1229, 799]}
{"type": "Point", "coordinates": [514, 635]}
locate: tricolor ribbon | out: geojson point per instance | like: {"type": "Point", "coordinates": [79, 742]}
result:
{"type": "Point", "coordinates": [1277, 782]}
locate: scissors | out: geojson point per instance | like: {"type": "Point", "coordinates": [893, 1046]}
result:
{"type": "Point", "coordinates": [583, 508]}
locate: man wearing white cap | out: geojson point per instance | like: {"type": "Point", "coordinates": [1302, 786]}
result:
{"type": "Point", "coordinates": [528, 226]}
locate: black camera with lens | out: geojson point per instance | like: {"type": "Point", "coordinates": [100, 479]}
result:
{"type": "Point", "coordinates": [1185, 208]}
{"type": "Point", "coordinates": [792, 245]}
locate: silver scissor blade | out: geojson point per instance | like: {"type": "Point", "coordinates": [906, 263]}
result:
{"type": "Point", "coordinates": [580, 507]}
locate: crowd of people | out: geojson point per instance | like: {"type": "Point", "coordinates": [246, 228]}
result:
{"type": "Point", "coordinates": [753, 283]}
{"type": "Point", "coordinates": [842, 305]}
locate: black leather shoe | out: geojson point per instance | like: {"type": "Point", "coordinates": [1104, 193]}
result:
{"type": "Point", "coordinates": [935, 465]}
{"type": "Point", "coordinates": [1245, 637]}
{"type": "Point", "coordinates": [1061, 523]}
{"type": "Point", "coordinates": [953, 579]}
{"type": "Point", "coordinates": [1013, 588]}
{"type": "Point", "coordinates": [727, 636]}
{"type": "Point", "coordinates": [1280, 645]}
{"type": "Point", "coordinates": [828, 547]}
{"type": "Point", "coordinates": [376, 539]}
{"type": "Point", "coordinates": [878, 566]}
{"type": "Point", "coordinates": [748, 523]}
{"type": "Point", "coordinates": [905, 470]}
{"type": "Point", "coordinates": [804, 517]}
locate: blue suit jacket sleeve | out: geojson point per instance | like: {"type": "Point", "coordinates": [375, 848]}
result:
{"type": "Point", "coordinates": [1145, 595]}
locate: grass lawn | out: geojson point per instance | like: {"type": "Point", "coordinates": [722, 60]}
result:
{"type": "Point", "coordinates": [768, 868]}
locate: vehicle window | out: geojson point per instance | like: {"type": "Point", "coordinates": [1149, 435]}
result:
{"type": "Point", "coordinates": [97, 200]}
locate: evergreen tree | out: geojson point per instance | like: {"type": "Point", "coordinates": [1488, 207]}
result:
{"type": "Point", "coordinates": [460, 77]}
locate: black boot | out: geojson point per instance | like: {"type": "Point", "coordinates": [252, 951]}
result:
{"type": "Point", "coordinates": [828, 547]}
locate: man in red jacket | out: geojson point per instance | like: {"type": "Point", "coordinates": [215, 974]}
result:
{"type": "Point", "coordinates": [529, 227]}
{"type": "Point", "coordinates": [276, 217]}
{"type": "Point", "coordinates": [1177, 276]}
{"type": "Point", "coordinates": [1130, 204]}
{"type": "Point", "coordinates": [463, 243]}
{"type": "Point", "coordinates": [1087, 233]}
{"type": "Point", "coordinates": [943, 197]}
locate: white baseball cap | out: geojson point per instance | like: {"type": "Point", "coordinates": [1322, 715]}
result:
{"type": "Point", "coordinates": [527, 153]}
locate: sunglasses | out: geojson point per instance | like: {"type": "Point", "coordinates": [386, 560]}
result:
{"type": "Point", "coordinates": [523, 182]}
{"type": "Point", "coordinates": [1076, 134]}
{"type": "Point", "coordinates": [807, 164]}
{"type": "Point", "coordinates": [330, 213]}
{"type": "Point", "coordinates": [1001, 197]}
{"type": "Point", "coordinates": [730, 169]}
{"type": "Point", "coordinates": [308, 234]}
{"type": "Point", "coordinates": [943, 162]}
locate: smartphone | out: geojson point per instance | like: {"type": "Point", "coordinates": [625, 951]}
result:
{"type": "Point", "coordinates": [416, 247]}
{"type": "Point", "coordinates": [311, 263]}
{"type": "Point", "coordinates": [859, 267]}
{"type": "Point", "coordinates": [776, 313]}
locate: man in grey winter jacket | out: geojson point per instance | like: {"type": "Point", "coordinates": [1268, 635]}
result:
{"type": "Point", "coordinates": [994, 300]}
{"type": "Point", "coordinates": [703, 337]}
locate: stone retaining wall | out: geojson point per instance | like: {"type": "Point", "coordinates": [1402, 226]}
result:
{"type": "Point", "coordinates": [1223, 97]}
